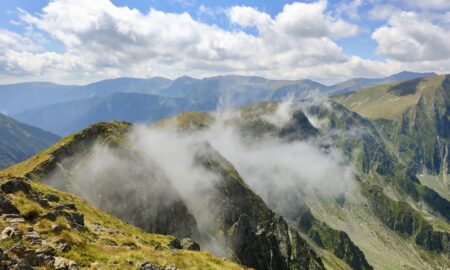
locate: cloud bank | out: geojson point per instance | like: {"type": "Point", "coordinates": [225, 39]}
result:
{"type": "Point", "coordinates": [97, 39]}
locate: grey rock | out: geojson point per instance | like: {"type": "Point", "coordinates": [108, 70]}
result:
{"type": "Point", "coordinates": [175, 244]}
{"type": "Point", "coordinates": [15, 185]}
{"type": "Point", "coordinates": [63, 245]}
{"type": "Point", "coordinates": [6, 206]}
{"type": "Point", "coordinates": [149, 266]}
{"type": "Point", "coordinates": [51, 197]}
{"type": "Point", "coordinates": [8, 232]}
{"type": "Point", "coordinates": [61, 263]}
{"type": "Point", "coordinates": [189, 244]}
{"type": "Point", "coordinates": [57, 228]}
{"type": "Point", "coordinates": [66, 206]}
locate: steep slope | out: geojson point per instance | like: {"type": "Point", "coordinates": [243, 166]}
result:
{"type": "Point", "coordinates": [44, 227]}
{"type": "Point", "coordinates": [356, 84]}
{"type": "Point", "coordinates": [414, 119]}
{"type": "Point", "coordinates": [238, 219]}
{"type": "Point", "coordinates": [20, 141]}
{"type": "Point", "coordinates": [388, 210]}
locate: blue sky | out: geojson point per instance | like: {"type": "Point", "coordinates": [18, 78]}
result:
{"type": "Point", "coordinates": [74, 41]}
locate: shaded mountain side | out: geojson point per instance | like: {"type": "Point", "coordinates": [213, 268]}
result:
{"type": "Point", "coordinates": [256, 235]}
{"type": "Point", "coordinates": [299, 128]}
{"type": "Point", "coordinates": [58, 118]}
{"type": "Point", "coordinates": [16, 98]}
{"type": "Point", "coordinates": [131, 107]}
{"type": "Point", "coordinates": [253, 234]}
{"type": "Point", "coordinates": [66, 118]}
{"type": "Point", "coordinates": [416, 122]}
{"type": "Point", "coordinates": [402, 202]}
{"type": "Point", "coordinates": [374, 162]}
{"type": "Point", "coordinates": [58, 163]}
{"type": "Point", "coordinates": [20, 141]}
{"type": "Point", "coordinates": [400, 217]}
{"type": "Point", "coordinates": [361, 142]}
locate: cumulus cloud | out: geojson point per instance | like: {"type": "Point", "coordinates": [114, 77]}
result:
{"type": "Point", "coordinates": [98, 40]}
{"type": "Point", "coordinates": [103, 39]}
{"type": "Point", "coordinates": [409, 37]}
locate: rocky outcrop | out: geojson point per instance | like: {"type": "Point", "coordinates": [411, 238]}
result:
{"type": "Point", "coordinates": [298, 128]}
{"type": "Point", "coordinates": [6, 207]}
{"type": "Point", "coordinates": [402, 218]}
{"type": "Point", "coordinates": [257, 236]}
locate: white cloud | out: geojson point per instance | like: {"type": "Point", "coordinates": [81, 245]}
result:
{"type": "Point", "coordinates": [102, 38]}
{"type": "Point", "coordinates": [98, 39]}
{"type": "Point", "coordinates": [429, 4]}
{"type": "Point", "coordinates": [350, 8]}
{"type": "Point", "coordinates": [410, 37]}
{"type": "Point", "coordinates": [382, 12]}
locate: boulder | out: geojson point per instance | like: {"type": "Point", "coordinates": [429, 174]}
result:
{"type": "Point", "coordinates": [15, 185]}
{"type": "Point", "coordinates": [149, 266]}
{"type": "Point", "coordinates": [57, 228]}
{"type": "Point", "coordinates": [175, 244]}
{"type": "Point", "coordinates": [9, 232]}
{"type": "Point", "coordinates": [7, 207]}
{"type": "Point", "coordinates": [62, 245]}
{"type": "Point", "coordinates": [189, 244]}
{"type": "Point", "coordinates": [51, 197]}
{"type": "Point", "coordinates": [66, 206]}
{"type": "Point", "coordinates": [33, 237]}
{"type": "Point", "coordinates": [61, 263]}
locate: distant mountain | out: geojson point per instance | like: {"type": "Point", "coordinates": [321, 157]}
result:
{"type": "Point", "coordinates": [209, 93]}
{"type": "Point", "coordinates": [17, 98]}
{"type": "Point", "coordinates": [133, 85]}
{"type": "Point", "coordinates": [355, 84]}
{"type": "Point", "coordinates": [58, 118]}
{"type": "Point", "coordinates": [65, 109]}
{"type": "Point", "coordinates": [19, 141]}
{"type": "Point", "coordinates": [65, 118]}
{"type": "Point", "coordinates": [297, 89]}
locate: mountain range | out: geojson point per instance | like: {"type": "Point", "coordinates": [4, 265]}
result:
{"type": "Point", "coordinates": [358, 180]}
{"type": "Point", "coordinates": [66, 109]}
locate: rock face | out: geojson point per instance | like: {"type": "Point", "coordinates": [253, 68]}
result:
{"type": "Point", "coordinates": [6, 207]}
{"type": "Point", "coordinates": [15, 185]}
{"type": "Point", "coordinates": [257, 236]}
{"type": "Point", "coordinates": [299, 128]}
{"type": "Point", "coordinates": [402, 218]}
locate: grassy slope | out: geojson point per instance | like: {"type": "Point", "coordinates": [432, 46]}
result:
{"type": "Point", "coordinates": [93, 249]}
{"type": "Point", "coordinates": [380, 102]}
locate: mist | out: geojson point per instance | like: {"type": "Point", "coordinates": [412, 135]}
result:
{"type": "Point", "coordinates": [158, 172]}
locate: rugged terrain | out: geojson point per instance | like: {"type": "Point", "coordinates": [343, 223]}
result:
{"type": "Point", "coordinates": [204, 176]}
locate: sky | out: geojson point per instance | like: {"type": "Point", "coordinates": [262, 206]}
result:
{"type": "Point", "coordinates": [81, 41]}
